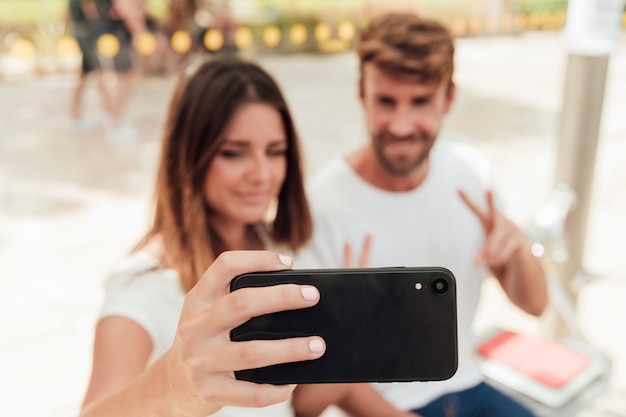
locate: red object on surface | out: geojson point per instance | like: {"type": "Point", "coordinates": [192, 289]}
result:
{"type": "Point", "coordinates": [543, 360]}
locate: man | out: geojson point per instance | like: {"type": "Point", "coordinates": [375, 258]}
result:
{"type": "Point", "coordinates": [422, 202]}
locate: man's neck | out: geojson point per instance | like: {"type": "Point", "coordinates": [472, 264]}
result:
{"type": "Point", "coordinates": [366, 165]}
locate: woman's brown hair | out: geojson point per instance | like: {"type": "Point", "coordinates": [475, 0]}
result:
{"type": "Point", "coordinates": [199, 113]}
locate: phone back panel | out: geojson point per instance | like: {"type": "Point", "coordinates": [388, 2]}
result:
{"type": "Point", "coordinates": [378, 326]}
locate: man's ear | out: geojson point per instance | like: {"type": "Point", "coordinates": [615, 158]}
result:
{"type": "Point", "coordinates": [450, 95]}
{"type": "Point", "coordinates": [360, 90]}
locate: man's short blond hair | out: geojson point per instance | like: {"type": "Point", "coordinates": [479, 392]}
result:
{"type": "Point", "coordinates": [409, 47]}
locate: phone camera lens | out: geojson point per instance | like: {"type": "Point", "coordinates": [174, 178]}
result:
{"type": "Point", "coordinates": [440, 286]}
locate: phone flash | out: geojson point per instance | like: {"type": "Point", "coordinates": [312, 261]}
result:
{"type": "Point", "coordinates": [418, 286]}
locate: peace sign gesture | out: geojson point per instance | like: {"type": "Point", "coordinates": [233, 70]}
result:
{"type": "Point", "coordinates": [502, 238]}
{"type": "Point", "coordinates": [364, 259]}
{"type": "Point", "coordinates": [507, 253]}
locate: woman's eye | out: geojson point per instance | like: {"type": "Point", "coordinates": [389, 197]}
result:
{"type": "Point", "coordinates": [277, 152]}
{"type": "Point", "coordinates": [230, 154]}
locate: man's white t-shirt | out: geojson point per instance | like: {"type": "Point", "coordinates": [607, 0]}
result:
{"type": "Point", "coordinates": [152, 296]}
{"type": "Point", "coordinates": [427, 226]}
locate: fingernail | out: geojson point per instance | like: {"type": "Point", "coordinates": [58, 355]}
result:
{"type": "Point", "coordinates": [285, 260]}
{"type": "Point", "coordinates": [316, 346]}
{"type": "Point", "coordinates": [309, 293]}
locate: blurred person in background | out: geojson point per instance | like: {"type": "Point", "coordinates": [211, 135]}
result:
{"type": "Point", "coordinates": [424, 202]}
{"type": "Point", "coordinates": [180, 14]}
{"type": "Point", "coordinates": [157, 60]}
{"type": "Point", "coordinates": [230, 178]}
{"type": "Point", "coordinates": [227, 25]}
{"type": "Point", "coordinates": [125, 20]}
{"type": "Point", "coordinates": [81, 29]}
{"type": "Point", "coordinates": [181, 17]}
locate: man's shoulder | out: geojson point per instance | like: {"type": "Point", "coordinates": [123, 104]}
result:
{"type": "Point", "coordinates": [460, 151]}
{"type": "Point", "coordinates": [332, 176]}
{"type": "Point", "coordinates": [462, 158]}
{"type": "Point", "coordinates": [333, 191]}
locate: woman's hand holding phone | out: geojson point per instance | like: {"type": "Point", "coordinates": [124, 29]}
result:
{"type": "Point", "coordinates": [204, 355]}
{"type": "Point", "coordinates": [196, 376]}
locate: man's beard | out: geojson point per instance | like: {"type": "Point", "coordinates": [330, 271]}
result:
{"type": "Point", "coordinates": [399, 167]}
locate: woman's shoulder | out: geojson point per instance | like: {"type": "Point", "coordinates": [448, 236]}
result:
{"type": "Point", "coordinates": [142, 290]}
{"type": "Point", "coordinates": [136, 262]}
{"type": "Point", "coordinates": [141, 274]}
{"type": "Point", "coordinates": [143, 261]}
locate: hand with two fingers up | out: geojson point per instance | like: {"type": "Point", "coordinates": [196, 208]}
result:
{"type": "Point", "coordinates": [507, 253]}
{"type": "Point", "coordinates": [364, 258]}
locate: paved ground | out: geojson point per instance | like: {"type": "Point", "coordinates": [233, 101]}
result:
{"type": "Point", "coordinates": [72, 205]}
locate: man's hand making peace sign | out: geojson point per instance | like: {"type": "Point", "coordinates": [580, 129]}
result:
{"type": "Point", "coordinates": [507, 254]}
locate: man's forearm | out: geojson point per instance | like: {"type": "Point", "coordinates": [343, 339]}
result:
{"type": "Point", "coordinates": [363, 400]}
{"type": "Point", "coordinates": [524, 281]}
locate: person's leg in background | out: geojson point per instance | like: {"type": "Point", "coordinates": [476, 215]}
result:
{"type": "Point", "coordinates": [78, 123]}
{"type": "Point", "coordinates": [126, 73]}
{"type": "Point", "coordinates": [90, 66]}
{"type": "Point", "coordinates": [480, 401]}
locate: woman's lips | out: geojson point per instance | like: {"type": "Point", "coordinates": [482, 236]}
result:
{"type": "Point", "coordinates": [253, 198]}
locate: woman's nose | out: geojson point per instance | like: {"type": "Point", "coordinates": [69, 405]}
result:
{"type": "Point", "coordinates": [260, 169]}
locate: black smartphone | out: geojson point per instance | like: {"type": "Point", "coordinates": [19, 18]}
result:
{"type": "Point", "coordinates": [380, 325]}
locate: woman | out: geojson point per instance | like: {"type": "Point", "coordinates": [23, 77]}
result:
{"type": "Point", "coordinates": [230, 178]}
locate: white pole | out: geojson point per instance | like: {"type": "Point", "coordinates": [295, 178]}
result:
{"type": "Point", "coordinates": [591, 34]}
